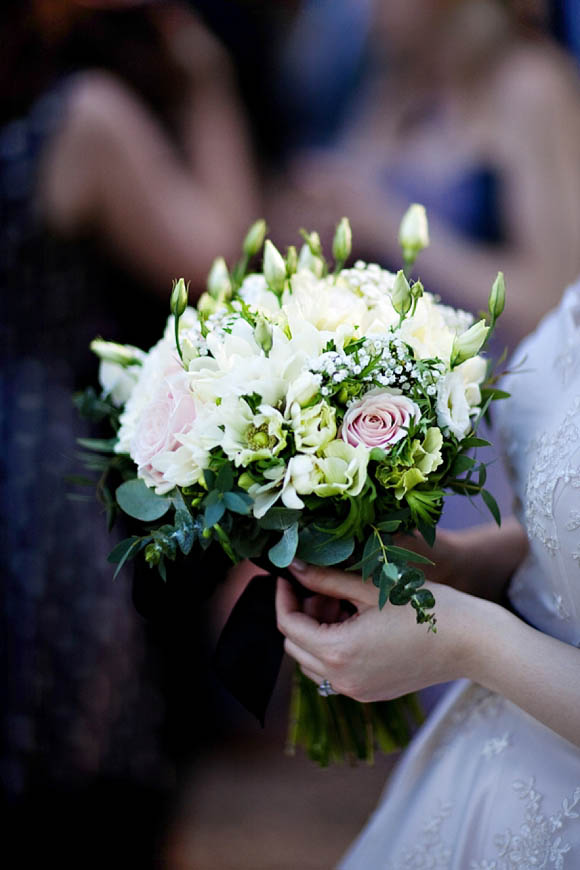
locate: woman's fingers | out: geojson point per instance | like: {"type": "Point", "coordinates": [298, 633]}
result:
{"type": "Point", "coordinates": [335, 584]}
{"type": "Point", "coordinates": [306, 660]}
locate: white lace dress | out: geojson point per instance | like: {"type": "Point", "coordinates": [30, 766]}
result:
{"type": "Point", "coordinates": [484, 786]}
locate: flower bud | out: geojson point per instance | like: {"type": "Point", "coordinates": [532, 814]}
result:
{"type": "Point", "coordinates": [255, 238]}
{"type": "Point", "coordinates": [414, 231]}
{"type": "Point", "coordinates": [497, 297]}
{"type": "Point", "coordinates": [178, 298]}
{"type": "Point", "coordinates": [417, 290]}
{"type": "Point", "coordinates": [245, 480]}
{"type": "Point", "coordinates": [219, 284]}
{"type": "Point", "coordinates": [263, 334]}
{"type": "Point", "coordinates": [342, 243]}
{"type": "Point", "coordinates": [307, 260]}
{"type": "Point", "coordinates": [207, 305]}
{"type": "Point", "coordinates": [291, 260]}
{"type": "Point", "coordinates": [469, 343]}
{"type": "Point", "coordinates": [274, 268]}
{"type": "Point", "coordinates": [122, 354]}
{"type": "Point", "coordinates": [401, 297]}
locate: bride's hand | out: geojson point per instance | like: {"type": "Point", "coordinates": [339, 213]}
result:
{"type": "Point", "coordinates": [375, 655]}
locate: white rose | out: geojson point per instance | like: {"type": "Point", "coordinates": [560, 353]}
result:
{"type": "Point", "coordinates": [426, 332]}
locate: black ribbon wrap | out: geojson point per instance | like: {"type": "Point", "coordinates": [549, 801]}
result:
{"type": "Point", "coordinates": [250, 649]}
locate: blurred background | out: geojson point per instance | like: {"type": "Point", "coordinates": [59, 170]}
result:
{"type": "Point", "coordinates": [139, 140]}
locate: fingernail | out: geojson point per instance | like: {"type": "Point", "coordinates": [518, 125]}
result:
{"type": "Point", "coordinates": [298, 565]}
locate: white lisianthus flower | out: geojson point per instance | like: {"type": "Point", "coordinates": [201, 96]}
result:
{"type": "Point", "coordinates": [343, 469]}
{"type": "Point", "coordinates": [426, 332]}
{"type": "Point", "coordinates": [453, 408]}
{"type": "Point", "coordinates": [313, 427]}
{"type": "Point", "coordinates": [248, 437]}
{"type": "Point", "coordinates": [473, 372]}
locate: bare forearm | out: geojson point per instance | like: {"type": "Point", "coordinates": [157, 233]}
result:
{"type": "Point", "coordinates": [486, 557]}
{"type": "Point", "coordinates": [536, 672]}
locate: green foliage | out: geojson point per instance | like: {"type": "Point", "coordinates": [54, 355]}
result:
{"type": "Point", "coordinates": [137, 500]}
{"type": "Point", "coordinates": [320, 548]}
{"type": "Point", "coordinates": [284, 551]}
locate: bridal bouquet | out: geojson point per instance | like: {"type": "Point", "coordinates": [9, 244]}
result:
{"type": "Point", "coordinates": [303, 410]}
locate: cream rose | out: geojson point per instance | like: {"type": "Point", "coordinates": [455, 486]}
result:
{"type": "Point", "coordinates": [170, 414]}
{"type": "Point", "coordinates": [380, 419]}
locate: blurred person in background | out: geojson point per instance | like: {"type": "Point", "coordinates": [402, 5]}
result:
{"type": "Point", "coordinates": [124, 163]}
{"type": "Point", "coordinates": [470, 111]}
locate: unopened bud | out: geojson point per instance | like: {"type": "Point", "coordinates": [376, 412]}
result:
{"type": "Point", "coordinates": [263, 334]}
{"type": "Point", "coordinates": [207, 305]}
{"type": "Point", "coordinates": [153, 553]}
{"type": "Point", "coordinates": [342, 243]}
{"type": "Point", "coordinates": [417, 290]}
{"type": "Point", "coordinates": [178, 298]}
{"type": "Point", "coordinates": [219, 284]}
{"type": "Point", "coordinates": [245, 480]}
{"type": "Point", "coordinates": [313, 241]}
{"type": "Point", "coordinates": [497, 297]}
{"type": "Point", "coordinates": [255, 238]}
{"type": "Point", "coordinates": [122, 354]}
{"type": "Point", "coordinates": [307, 260]}
{"type": "Point", "coordinates": [291, 260]}
{"type": "Point", "coordinates": [414, 231]}
{"type": "Point", "coordinates": [401, 297]}
{"type": "Point", "coordinates": [274, 268]}
{"type": "Point", "coordinates": [469, 343]}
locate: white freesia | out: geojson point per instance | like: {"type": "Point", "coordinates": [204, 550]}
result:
{"type": "Point", "coordinates": [299, 477]}
{"type": "Point", "coordinates": [118, 381]}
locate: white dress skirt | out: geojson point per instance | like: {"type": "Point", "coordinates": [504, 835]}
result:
{"type": "Point", "coordinates": [484, 786]}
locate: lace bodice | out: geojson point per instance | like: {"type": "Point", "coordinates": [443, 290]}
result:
{"type": "Point", "coordinates": [540, 431]}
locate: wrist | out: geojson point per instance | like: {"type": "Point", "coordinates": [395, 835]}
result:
{"type": "Point", "coordinates": [483, 640]}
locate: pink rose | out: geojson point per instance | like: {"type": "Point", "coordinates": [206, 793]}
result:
{"type": "Point", "coordinates": [379, 419]}
{"type": "Point", "coordinates": [171, 413]}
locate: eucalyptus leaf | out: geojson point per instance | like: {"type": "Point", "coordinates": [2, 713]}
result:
{"type": "Point", "coordinates": [121, 549]}
{"type": "Point", "coordinates": [99, 445]}
{"type": "Point", "coordinates": [370, 557]}
{"type": "Point", "coordinates": [238, 502]}
{"type": "Point", "coordinates": [213, 513]}
{"type": "Point", "coordinates": [407, 555]}
{"type": "Point", "coordinates": [278, 519]}
{"type": "Point", "coordinates": [137, 500]}
{"type": "Point", "coordinates": [282, 553]}
{"type": "Point", "coordinates": [318, 548]}
{"type": "Point", "coordinates": [225, 478]}
{"type": "Point", "coordinates": [462, 463]}
{"type": "Point", "coordinates": [184, 530]}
